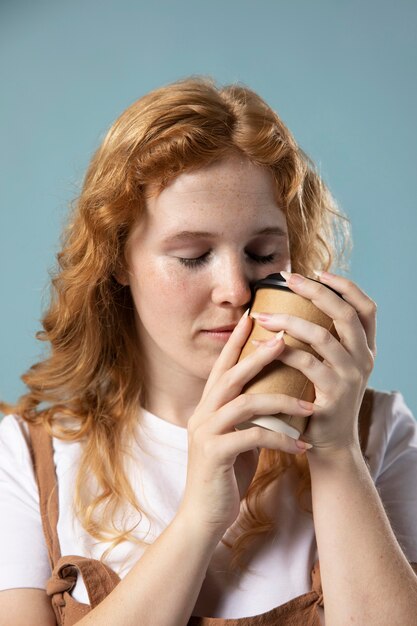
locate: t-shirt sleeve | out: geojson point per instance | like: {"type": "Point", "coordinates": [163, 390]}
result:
{"type": "Point", "coordinates": [396, 480]}
{"type": "Point", "coordinates": [23, 553]}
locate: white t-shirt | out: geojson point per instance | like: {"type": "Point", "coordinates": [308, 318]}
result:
{"type": "Point", "coordinates": [278, 572]}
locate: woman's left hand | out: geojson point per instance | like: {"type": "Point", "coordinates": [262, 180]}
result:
{"type": "Point", "coordinates": [340, 379]}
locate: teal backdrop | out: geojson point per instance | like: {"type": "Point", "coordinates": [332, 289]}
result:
{"type": "Point", "coordinates": [342, 75]}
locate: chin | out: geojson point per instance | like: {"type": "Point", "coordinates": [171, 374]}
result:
{"type": "Point", "coordinates": [202, 370]}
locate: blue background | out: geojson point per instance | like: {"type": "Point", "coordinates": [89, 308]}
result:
{"type": "Point", "coordinates": [342, 75]}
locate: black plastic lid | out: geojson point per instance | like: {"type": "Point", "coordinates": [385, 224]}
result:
{"type": "Point", "coordinates": [277, 281]}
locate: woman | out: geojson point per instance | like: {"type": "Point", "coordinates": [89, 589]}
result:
{"type": "Point", "coordinates": [165, 512]}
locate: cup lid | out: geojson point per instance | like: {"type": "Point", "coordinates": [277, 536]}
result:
{"type": "Point", "coordinates": [277, 281]}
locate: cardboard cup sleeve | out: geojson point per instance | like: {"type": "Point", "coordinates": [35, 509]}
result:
{"type": "Point", "coordinates": [277, 377]}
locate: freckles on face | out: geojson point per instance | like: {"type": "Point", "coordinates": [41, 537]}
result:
{"type": "Point", "coordinates": [234, 202]}
{"type": "Point", "coordinates": [172, 290]}
{"type": "Point", "coordinates": [164, 295]}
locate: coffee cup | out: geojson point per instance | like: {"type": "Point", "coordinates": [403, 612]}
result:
{"type": "Point", "coordinates": [273, 295]}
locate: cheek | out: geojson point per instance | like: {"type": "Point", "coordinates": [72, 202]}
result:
{"type": "Point", "coordinates": [166, 290]}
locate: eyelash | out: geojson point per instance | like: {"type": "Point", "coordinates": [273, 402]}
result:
{"type": "Point", "coordinates": [199, 261]}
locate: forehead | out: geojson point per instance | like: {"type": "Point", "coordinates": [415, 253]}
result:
{"type": "Point", "coordinates": [236, 173]}
{"type": "Point", "coordinates": [225, 188]}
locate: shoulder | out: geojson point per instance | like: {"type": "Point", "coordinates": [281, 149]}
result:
{"type": "Point", "coordinates": [391, 415]}
{"type": "Point", "coordinates": [14, 439]}
{"type": "Point", "coordinates": [24, 557]}
{"type": "Point", "coordinates": [17, 476]}
{"type": "Point", "coordinates": [393, 430]}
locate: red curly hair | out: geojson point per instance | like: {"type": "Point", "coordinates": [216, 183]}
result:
{"type": "Point", "coordinates": [91, 372]}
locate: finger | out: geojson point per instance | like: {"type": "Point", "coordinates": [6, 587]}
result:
{"type": "Point", "coordinates": [232, 381]}
{"type": "Point", "coordinates": [230, 352]}
{"type": "Point", "coordinates": [230, 445]}
{"type": "Point", "coordinates": [366, 307]}
{"type": "Point", "coordinates": [248, 405]}
{"type": "Point", "coordinates": [320, 339]}
{"type": "Point", "coordinates": [345, 317]}
{"type": "Point", "coordinates": [321, 375]}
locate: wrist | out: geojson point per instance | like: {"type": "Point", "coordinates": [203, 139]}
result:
{"type": "Point", "coordinates": [188, 522]}
{"type": "Point", "coordinates": [342, 456]}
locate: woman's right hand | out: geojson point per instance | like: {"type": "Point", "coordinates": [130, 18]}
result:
{"type": "Point", "coordinates": [222, 461]}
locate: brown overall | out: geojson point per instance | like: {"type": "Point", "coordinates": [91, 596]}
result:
{"type": "Point", "coordinates": [100, 580]}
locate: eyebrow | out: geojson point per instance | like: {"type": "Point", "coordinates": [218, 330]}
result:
{"type": "Point", "coordinates": [199, 234]}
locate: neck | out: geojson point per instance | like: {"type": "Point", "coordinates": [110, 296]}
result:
{"type": "Point", "coordinates": [173, 394]}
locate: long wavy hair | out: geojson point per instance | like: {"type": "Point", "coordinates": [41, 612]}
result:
{"type": "Point", "coordinates": [92, 373]}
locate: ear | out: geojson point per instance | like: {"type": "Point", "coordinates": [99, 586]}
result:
{"type": "Point", "coordinates": [121, 278]}
{"type": "Point", "coordinates": [121, 275]}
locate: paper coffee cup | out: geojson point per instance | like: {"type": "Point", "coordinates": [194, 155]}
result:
{"type": "Point", "coordinates": [272, 295]}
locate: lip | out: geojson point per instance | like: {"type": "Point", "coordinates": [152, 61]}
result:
{"type": "Point", "coordinates": [220, 329]}
{"type": "Point", "coordinates": [220, 335]}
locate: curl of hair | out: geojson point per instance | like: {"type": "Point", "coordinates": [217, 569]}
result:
{"type": "Point", "coordinates": [87, 388]}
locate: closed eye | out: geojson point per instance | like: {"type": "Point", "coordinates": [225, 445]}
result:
{"type": "Point", "coordinates": [201, 260]}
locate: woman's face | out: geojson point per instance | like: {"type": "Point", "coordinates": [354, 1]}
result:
{"type": "Point", "coordinates": [185, 284]}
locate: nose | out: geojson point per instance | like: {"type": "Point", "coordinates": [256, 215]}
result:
{"type": "Point", "coordinates": [232, 284]}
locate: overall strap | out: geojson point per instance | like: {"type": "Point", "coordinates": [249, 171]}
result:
{"type": "Point", "coordinates": [42, 453]}
{"type": "Point", "coordinates": [99, 579]}
{"type": "Point", "coordinates": [43, 462]}
{"type": "Point", "coordinates": [365, 415]}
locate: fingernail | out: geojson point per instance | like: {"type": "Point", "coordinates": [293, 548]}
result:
{"type": "Point", "coordinates": [318, 273]}
{"type": "Point", "coordinates": [306, 405]}
{"type": "Point", "coordinates": [294, 278]}
{"type": "Point", "coordinates": [280, 335]}
{"type": "Point", "coordinates": [303, 445]}
{"type": "Point", "coordinates": [261, 316]}
{"type": "Point", "coordinates": [323, 275]}
{"type": "Point", "coordinates": [244, 316]}
{"type": "Point", "coordinates": [275, 340]}
{"type": "Point", "coordinates": [272, 342]}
